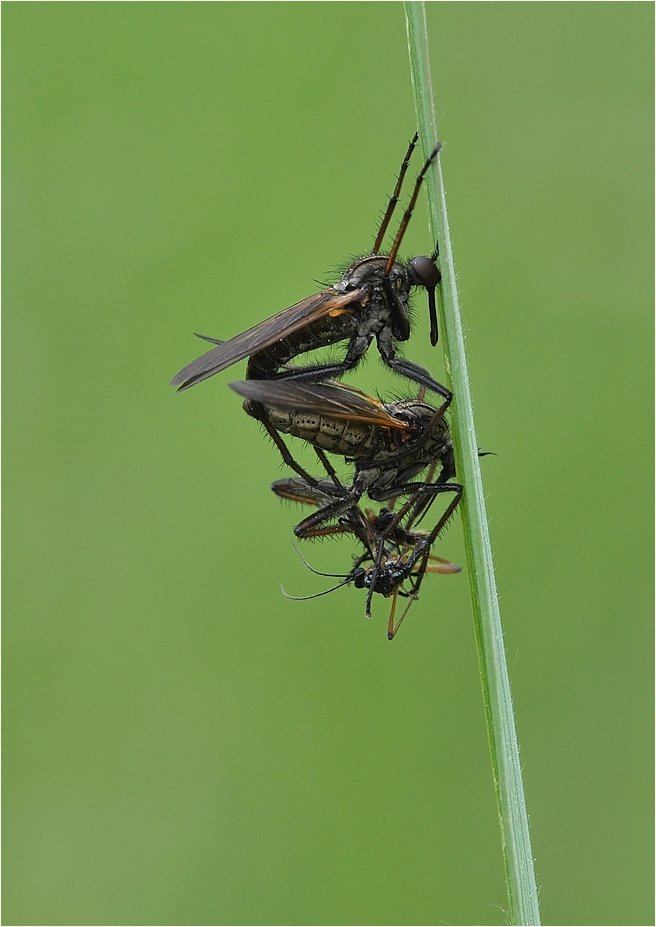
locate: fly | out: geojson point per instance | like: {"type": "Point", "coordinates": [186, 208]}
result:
{"type": "Point", "coordinates": [397, 553]}
{"type": "Point", "coordinates": [369, 301]}
{"type": "Point", "coordinates": [389, 443]}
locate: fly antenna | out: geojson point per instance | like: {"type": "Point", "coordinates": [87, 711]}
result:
{"type": "Point", "coordinates": [305, 598]}
{"type": "Point", "coordinates": [317, 572]}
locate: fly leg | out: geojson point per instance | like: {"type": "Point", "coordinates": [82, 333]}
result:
{"type": "Point", "coordinates": [391, 627]}
{"type": "Point", "coordinates": [317, 492]}
{"type": "Point", "coordinates": [407, 369]}
{"type": "Point", "coordinates": [328, 467]}
{"type": "Point", "coordinates": [394, 198]}
{"type": "Point", "coordinates": [286, 454]}
{"type": "Point", "coordinates": [309, 526]}
{"type": "Point", "coordinates": [421, 552]}
{"type": "Point", "coordinates": [358, 346]}
{"type": "Point", "coordinates": [423, 544]}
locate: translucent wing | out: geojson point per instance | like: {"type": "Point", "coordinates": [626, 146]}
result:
{"type": "Point", "coordinates": [324, 399]}
{"type": "Point", "coordinates": [264, 334]}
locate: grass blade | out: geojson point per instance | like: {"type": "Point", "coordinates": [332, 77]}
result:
{"type": "Point", "coordinates": [504, 749]}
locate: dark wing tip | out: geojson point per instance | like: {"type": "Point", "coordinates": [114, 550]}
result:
{"type": "Point", "coordinates": [181, 381]}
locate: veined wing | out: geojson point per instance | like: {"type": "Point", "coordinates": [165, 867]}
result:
{"type": "Point", "coordinates": [299, 491]}
{"type": "Point", "coordinates": [329, 400]}
{"type": "Point", "coordinates": [265, 334]}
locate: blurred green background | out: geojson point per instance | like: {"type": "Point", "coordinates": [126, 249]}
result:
{"type": "Point", "coordinates": [182, 744]}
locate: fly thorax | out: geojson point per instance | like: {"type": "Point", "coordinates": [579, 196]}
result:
{"type": "Point", "coordinates": [368, 273]}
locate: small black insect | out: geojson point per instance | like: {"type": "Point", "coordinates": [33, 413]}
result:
{"type": "Point", "coordinates": [396, 552]}
{"type": "Point", "coordinates": [369, 301]}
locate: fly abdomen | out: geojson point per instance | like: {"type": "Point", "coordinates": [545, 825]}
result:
{"type": "Point", "coordinates": [320, 334]}
{"type": "Point", "coordinates": [339, 436]}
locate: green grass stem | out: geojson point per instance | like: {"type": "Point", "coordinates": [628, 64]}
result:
{"type": "Point", "coordinates": [504, 749]}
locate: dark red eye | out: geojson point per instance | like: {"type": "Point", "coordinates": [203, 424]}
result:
{"type": "Point", "coordinates": [426, 271]}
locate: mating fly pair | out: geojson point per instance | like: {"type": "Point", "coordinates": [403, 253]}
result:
{"type": "Point", "coordinates": [389, 444]}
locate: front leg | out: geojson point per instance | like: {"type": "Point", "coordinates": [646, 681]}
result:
{"type": "Point", "coordinates": [407, 369]}
{"type": "Point", "coordinates": [312, 525]}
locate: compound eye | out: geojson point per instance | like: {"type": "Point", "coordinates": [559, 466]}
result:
{"type": "Point", "coordinates": [359, 578]}
{"type": "Point", "coordinates": [426, 271]}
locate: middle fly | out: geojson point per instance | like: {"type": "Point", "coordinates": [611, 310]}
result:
{"type": "Point", "coordinates": [389, 443]}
